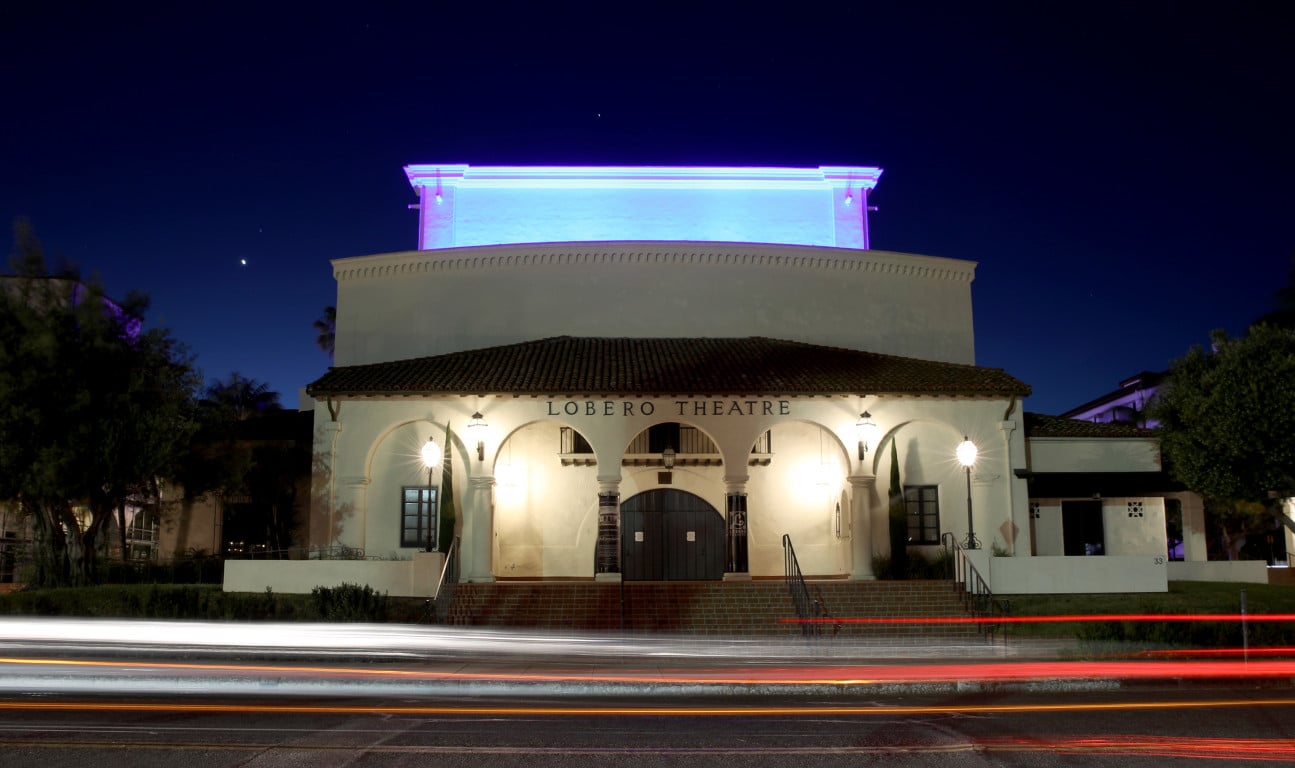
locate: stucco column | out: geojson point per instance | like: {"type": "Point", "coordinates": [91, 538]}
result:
{"type": "Point", "coordinates": [1195, 548]}
{"type": "Point", "coordinates": [607, 553]}
{"type": "Point", "coordinates": [861, 527]}
{"type": "Point", "coordinates": [736, 564]}
{"type": "Point", "coordinates": [350, 510]}
{"type": "Point", "coordinates": [323, 484]}
{"type": "Point", "coordinates": [1018, 532]}
{"type": "Point", "coordinates": [478, 529]}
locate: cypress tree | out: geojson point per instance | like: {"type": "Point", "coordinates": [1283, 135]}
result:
{"type": "Point", "coordinates": [445, 527]}
{"type": "Point", "coordinates": [898, 519]}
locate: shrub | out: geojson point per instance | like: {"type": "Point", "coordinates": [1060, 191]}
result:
{"type": "Point", "coordinates": [349, 602]}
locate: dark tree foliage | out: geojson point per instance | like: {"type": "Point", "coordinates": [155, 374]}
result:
{"type": "Point", "coordinates": [898, 518]}
{"type": "Point", "coordinates": [1227, 416]}
{"type": "Point", "coordinates": [326, 330]}
{"type": "Point", "coordinates": [445, 526]}
{"type": "Point", "coordinates": [247, 453]}
{"type": "Point", "coordinates": [93, 409]}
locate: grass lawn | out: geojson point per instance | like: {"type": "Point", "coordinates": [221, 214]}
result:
{"type": "Point", "coordinates": [1183, 597]}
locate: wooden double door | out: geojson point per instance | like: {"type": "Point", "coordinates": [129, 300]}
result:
{"type": "Point", "coordinates": [671, 535]}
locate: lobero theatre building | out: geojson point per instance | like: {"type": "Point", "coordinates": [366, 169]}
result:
{"type": "Point", "coordinates": [658, 373]}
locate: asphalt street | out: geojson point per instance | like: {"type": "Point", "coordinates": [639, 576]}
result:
{"type": "Point", "coordinates": [1147, 726]}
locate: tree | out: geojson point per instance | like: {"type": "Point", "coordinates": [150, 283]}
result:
{"type": "Point", "coordinates": [326, 330]}
{"type": "Point", "coordinates": [240, 398]}
{"type": "Point", "coordinates": [1227, 416]}
{"type": "Point", "coordinates": [445, 526]}
{"type": "Point", "coordinates": [93, 409]}
{"type": "Point", "coordinates": [248, 453]}
{"type": "Point", "coordinates": [898, 518]}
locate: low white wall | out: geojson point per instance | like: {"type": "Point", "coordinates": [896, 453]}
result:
{"type": "Point", "coordinates": [396, 578]}
{"type": "Point", "coordinates": [1078, 575]}
{"type": "Point", "coordinates": [1246, 571]}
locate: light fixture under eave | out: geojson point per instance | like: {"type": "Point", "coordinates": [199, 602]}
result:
{"type": "Point", "coordinates": [866, 432]}
{"type": "Point", "coordinates": [477, 429]}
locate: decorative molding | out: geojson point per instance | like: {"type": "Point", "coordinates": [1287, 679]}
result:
{"type": "Point", "coordinates": [482, 258]}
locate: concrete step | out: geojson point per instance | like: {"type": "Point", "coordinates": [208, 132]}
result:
{"type": "Point", "coordinates": [706, 608]}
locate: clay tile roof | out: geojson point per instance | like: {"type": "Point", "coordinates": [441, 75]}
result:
{"type": "Point", "coordinates": [568, 365]}
{"type": "Point", "coordinates": [1040, 425]}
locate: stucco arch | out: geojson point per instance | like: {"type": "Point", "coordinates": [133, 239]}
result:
{"type": "Point", "coordinates": [545, 511]}
{"type": "Point", "coordinates": [499, 455]}
{"type": "Point", "coordinates": [683, 422]}
{"type": "Point", "coordinates": [796, 494]}
{"type": "Point", "coordinates": [392, 462]}
{"type": "Point", "coordinates": [925, 448]}
{"type": "Point", "coordinates": [425, 428]}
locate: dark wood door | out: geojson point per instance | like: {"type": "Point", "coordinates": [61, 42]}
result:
{"type": "Point", "coordinates": [1082, 531]}
{"type": "Point", "coordinates": [671, 535]}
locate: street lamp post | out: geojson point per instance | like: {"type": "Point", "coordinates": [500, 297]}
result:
{"type": "Point", "coordinates": [967, 458]}
{"type": "Point", "coordinates": [431, 456]}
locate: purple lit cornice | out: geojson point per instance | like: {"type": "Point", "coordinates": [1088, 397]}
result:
{"type": "Point", "coordinates": [632, 177]}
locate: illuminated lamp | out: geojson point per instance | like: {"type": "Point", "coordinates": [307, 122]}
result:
{"type": "Point", "coordinates": [966, 452]}
{"type": "Point", "coordinates": [477, 429]}
{"type": "Point", "coordinates": [866, 431]}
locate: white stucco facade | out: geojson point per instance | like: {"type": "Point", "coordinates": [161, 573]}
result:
{"type": "Point", "coordinates": [417, 303]}
{"type": "Point", "coordinates": [510, 257]}
{"type": "Point", "coordinates": [526, 514]}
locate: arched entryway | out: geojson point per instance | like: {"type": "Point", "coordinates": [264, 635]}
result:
{"type": "Point", "coordinates": [671, 535]}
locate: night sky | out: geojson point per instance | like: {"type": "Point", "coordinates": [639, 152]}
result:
{"type": "Point", "coordinates": [1121, 172]}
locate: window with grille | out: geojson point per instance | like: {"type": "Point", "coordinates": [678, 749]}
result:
{"type": "Point", "coordinates": [418, 517]}
{"type": "Point", "coordinates": [923, 505]}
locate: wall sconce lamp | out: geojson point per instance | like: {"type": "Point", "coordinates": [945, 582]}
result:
{"type": "Point", "coordinates": [866, 431]}
{"type": "Point", "coordinates": [477, 428]}
{"type": "Point", "coordinates": [667, 458]}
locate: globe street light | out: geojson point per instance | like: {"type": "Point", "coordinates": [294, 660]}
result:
{"type": "Point", "coordinates": [431, 455]}
{"type": "Point", "coordinates": [967, 458]}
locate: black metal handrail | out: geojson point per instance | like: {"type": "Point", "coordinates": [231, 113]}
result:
{"type": "Point", "coordinates": [449, 581]}
{"type": "Point", "coordinates": [809, 610]}
{"type": "Point", "coordinates": [977, 598]}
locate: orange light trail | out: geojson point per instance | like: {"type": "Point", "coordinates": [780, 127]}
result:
{"type": "Point", "coordinates": [1151, 746]}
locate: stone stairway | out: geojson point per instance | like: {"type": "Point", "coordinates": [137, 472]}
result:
{"type": "Point", "coordinates": [752, 608]}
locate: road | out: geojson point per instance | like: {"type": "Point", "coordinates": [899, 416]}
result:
{"type": "Point", "coordinates": [210, 695]}
{"type": "Point", "coordinates": [1147, 725]}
